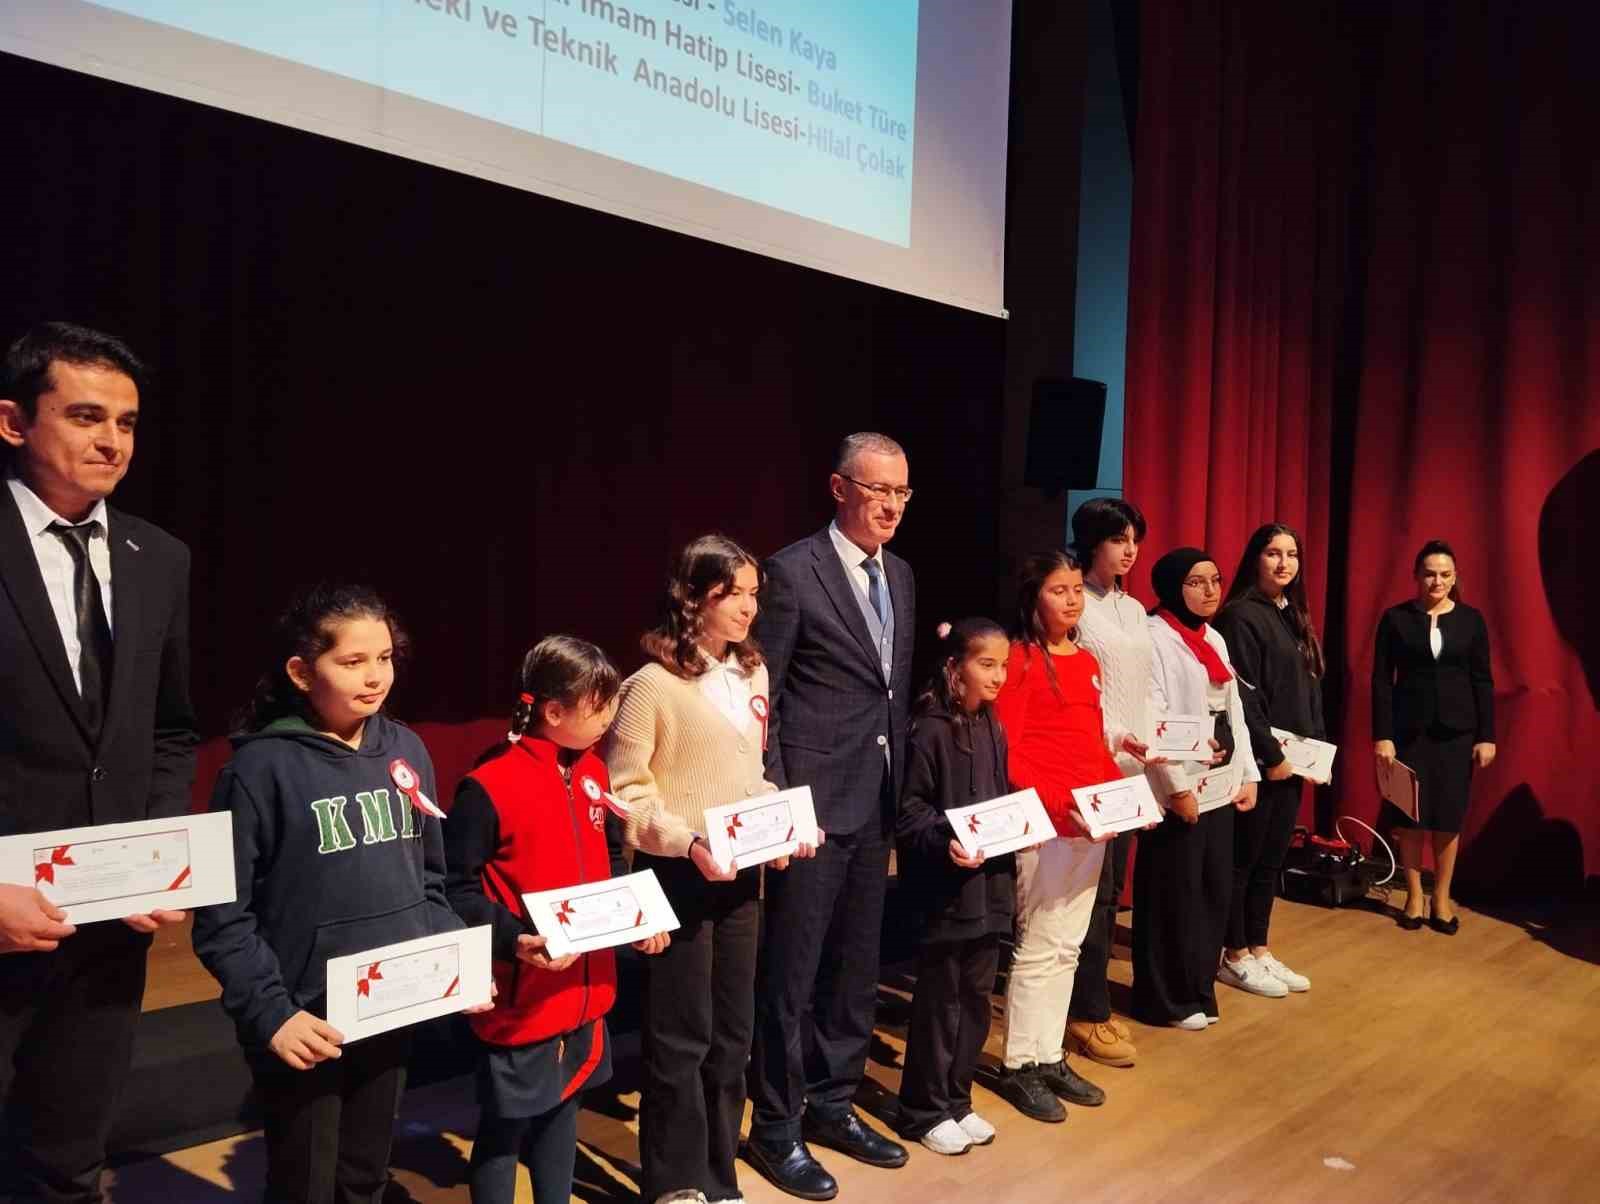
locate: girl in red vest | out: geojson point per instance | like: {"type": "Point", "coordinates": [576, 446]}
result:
{"type": "Point", "coordinates": [531, 817]}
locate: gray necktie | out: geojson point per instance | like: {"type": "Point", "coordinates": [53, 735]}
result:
{"type": "Point", "coordinates": [875, 588]}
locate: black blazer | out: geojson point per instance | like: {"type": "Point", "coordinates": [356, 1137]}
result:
{"type": "Point", "coordinates": [142, 765]}
{"type": "Point", "coordinates": [1412, 692]}
{"type": "Point", "coordinates": [1276, 687]}
{"type": "Point", "coordinates": [833, 714]}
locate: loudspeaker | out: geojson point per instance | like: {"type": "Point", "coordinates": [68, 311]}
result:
{"type": "Point", "coordinates": [1064, 426]}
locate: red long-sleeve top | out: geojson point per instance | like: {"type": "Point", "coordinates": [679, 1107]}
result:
{"type": "Point", "coordinates": [1057, 741]}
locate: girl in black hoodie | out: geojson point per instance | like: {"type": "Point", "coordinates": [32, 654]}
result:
{"type": "Point", "coordinates": [331, 857]}
{"type": "Point", "coordinates": [956, 756]}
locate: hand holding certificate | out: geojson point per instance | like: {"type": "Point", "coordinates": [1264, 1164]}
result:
{"type": "Point", "coordinates": [1311, 759]}
{"type": "Point", "coordinates": [600, 915]}
{"type": "Point", "coordinates": [1001, 825]}
{"type": "Point", "coordinates": [111, 871]}
{"type": "Point", "coordinates": [761, 829]}
{"type": "Point", "coordinates": [1118, 806]}
{"type": "Point", "coordinates": [408, 982]}
{"type": "Point", "coordinates": [1184, 737]}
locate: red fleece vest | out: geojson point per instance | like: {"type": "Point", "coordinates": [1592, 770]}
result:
{"type": "Point", "coordinates": [550, 837]}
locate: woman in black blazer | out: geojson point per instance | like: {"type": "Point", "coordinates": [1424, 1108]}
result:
{"type": "Point", "coordinates": [1433, 710]}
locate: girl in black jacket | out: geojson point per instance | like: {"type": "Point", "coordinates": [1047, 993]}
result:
{"type": "Point", "coordinates": [1267, 626]}
{"type": "Point", "coordinates": [956, 757]}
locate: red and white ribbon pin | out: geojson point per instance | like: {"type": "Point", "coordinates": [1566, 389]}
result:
{"type": "Point", "coordinates": [409, 784]}
{"type": "Point", "coordinates": [760, 709]}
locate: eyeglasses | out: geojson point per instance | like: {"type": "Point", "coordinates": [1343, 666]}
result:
{"type": "Point", "coordinates": [883, 493]}
{"type": "Point", "coordinates": [1203, 583]}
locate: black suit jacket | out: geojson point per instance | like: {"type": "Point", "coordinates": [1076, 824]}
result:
{"type": "Point", "coordinates": [833, 714]}
{"type": "Point", "coordinates": [142, 765]}
{"type": "Point", "coordinates": [1412, 692]}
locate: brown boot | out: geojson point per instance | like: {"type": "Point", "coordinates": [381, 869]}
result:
{"type": "Point", "coordinates": [1102, 1043]}
{"type": "Point", "coordinates": [1121, 1029]}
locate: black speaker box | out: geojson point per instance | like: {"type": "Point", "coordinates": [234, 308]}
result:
{"type": "Point", "coordinates": [1064, 426]}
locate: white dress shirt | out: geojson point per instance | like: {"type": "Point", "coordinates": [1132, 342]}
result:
{"type": "Point", "coordinates": [56, 565]}
{"type": "Point", "coordinates": [728, 688]}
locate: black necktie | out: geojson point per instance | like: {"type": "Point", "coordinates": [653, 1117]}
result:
{"type": "Point", "coordinates": [94, 629]}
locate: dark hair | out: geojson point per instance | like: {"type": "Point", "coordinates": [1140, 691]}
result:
{"type": "Point", "coordinates": [1031, 634]}
{"type": "Point", "coordinates": [1245, 584]}
{"type": "Point", "coordinates": [564, 669]}
{"type": "Point", "coordinates": [854, 445]}
{"type": "Point", "coordinates": [1100, 519]}
{"type": "Point", "coordinates": [1437, 547]}
{"type": "Point", "coordinates": [307, 628]}
{"type": "Point", "coordinates": [705, 566]}
{"type": "Point", "coordinates": [28, 360]}
{"type": "Point", "coordinates": [956, 643]}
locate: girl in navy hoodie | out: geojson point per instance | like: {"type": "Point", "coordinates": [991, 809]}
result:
{"type": "Point", "coordinates": [956, 757]}
{"type": "Point", "coordinates": [532, 816]}
{"type": "Point", "coordinates": [331, 858]}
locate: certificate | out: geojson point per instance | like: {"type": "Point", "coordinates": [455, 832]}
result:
{"type": "Point", "coordinates": [1397, 782]}
{"type": "Point", "coordinates": [393, 986]}
{"type": "Point", "coordinates": [761, 829]}
{"type": "Point", "coordinates": [1215, 787]}
{"type": "Point", "coordinates": [1311, 759]}
{"type": "Point", "coordinates": [600, 915]}
{"type": "Point", "coordinates": [1002, 825]}
{"type": "Point", "coordinates": [1184, 737]}
{"type": "Point", "coordinates": [109, 871]}
{"type": "Point", "coordinates": [1117, 806]}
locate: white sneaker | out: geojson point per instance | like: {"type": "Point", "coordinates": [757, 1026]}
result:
{"type": "Point", "coordinates": [975, 1127]}
{"type": "Point", "coordinates": [1249, 975]}
{"type": "Point", "coordinates": [1295, 982]}
{"type": "Point", "coordinates": [947, 1137]}
{"type": "Point", "coordinates": [1210, 1020]}
{"type": "Point", "coordinates": [1194, 1023]}
{"type": "Point", "coordinates": [682, 1196]}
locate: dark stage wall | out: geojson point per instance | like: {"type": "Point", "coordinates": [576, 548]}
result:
{"type": "Point", "coordinates": [504, 411]}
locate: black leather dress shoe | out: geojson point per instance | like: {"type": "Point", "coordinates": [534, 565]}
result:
{"type": "Point", "coordinates": [849, 1136]}
{"type": "Point", "coordinates": [789, 1167]}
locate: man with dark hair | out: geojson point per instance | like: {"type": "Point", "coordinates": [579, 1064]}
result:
{"type": "Point", "coordinates": [95, 728]}
{"type": "Point", "coordinates": [838, 613]}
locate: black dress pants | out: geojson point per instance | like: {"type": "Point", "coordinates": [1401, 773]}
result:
{"type": "Point", "coordinates": [67, 1021]}
{"type": "Point", "coordinates": [1260, 843]}
{"type": "Point", "coordinates": [817, 989]}
{"type": "Point", "coordinates": [1182, 890]}
{"type": "Point", "coordinates": [699, 1013]}
{"type": "Point", "coordinates": [950, 1015]}
{"type": "Point", "coordinates": [329, 1129]}
{"type": "Point", "coordinates": [1091, 1000]}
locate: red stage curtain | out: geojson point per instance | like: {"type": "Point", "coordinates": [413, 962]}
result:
{"type": "Point", "coordinates": [1364, 300]}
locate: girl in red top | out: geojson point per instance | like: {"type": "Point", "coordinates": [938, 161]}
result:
{"type": "Point", "coordinates": [532, 817]}
{"type": "Point", "coordinates": [1056, 734]}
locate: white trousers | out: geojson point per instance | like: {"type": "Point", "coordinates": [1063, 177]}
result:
{"type": "Point", "coordinates": [1056, 885]}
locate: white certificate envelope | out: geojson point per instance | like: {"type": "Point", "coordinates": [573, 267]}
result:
{"type": "Point", "coordinates": [761, 829]}
{"type": "Point", "coordinates": [408, 982]}
{"type": "Point", "coordinates": [600, 915]}
{"type": "Point", "coordinates": [1184, 737]}
{"type": "Point", "coordinates": [1215, 787]}
{"type": "Point", "coordinates": [109, 871]}
{"type": "Point", "coordinates": [1117, 806]}
{"type": "Point", "coordinates": [1002, 825]}
{"type": "Point", "coordinates": [1398, 783]}
{"type": "Point", "coordinates": [1311, 759]}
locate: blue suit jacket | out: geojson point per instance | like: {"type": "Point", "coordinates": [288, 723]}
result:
{"type": "Point", "coordinates": [833, 713]}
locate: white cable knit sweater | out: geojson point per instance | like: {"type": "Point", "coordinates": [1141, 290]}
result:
{"type": "Point", "coordinates": [1115, 628]}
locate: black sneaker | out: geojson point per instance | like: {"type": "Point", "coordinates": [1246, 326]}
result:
{"type": "Point", "coordinates": [1070, 1085]}
{"type": "Point", "coordinates": [1024, 1090]}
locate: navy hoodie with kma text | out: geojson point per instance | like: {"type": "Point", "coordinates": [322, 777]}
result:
{"type": "Point", "coordinates": [330, 858]}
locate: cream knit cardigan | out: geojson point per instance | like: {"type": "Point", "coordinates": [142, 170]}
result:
{"type": "Point", "coordinates": [671, 754]}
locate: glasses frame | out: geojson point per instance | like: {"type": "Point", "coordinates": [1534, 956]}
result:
{"type": "Point", "coordinates": [901, 493]}
{"type": "Point", "coordinates": [1194, 583]}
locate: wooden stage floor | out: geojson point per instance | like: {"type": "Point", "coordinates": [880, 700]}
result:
{"type": "Point", "coordinates": [1418, 1068]}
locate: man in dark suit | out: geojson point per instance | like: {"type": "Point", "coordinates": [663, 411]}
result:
{"type": "Point", "coordinates": [95, 728]}
{"type": "Point", "coordinates": [838, 614]}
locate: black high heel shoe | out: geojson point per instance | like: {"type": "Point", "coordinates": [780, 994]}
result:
{"type": "Point", "coordinates": [1409, 923]}
{"type": "Point", "coordinates": [1444, 927]}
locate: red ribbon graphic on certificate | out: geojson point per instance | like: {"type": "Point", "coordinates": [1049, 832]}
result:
{"type": "Point", "coordinates": [45, 871]}
{"type": "Point", "coordinates": [734, 824]}
{"type": "Point", "coordinates": [364, 983]}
